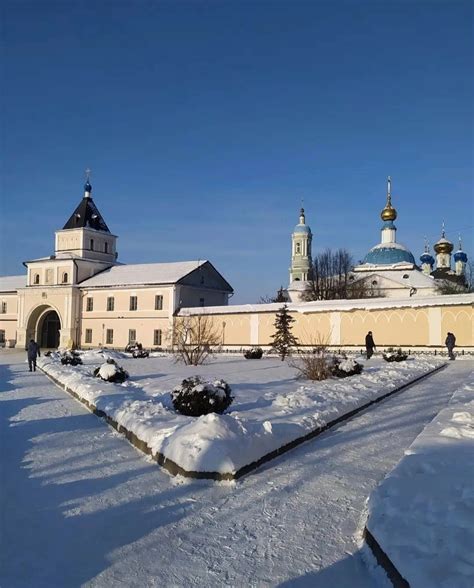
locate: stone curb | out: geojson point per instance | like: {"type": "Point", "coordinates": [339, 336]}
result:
{"type": "Point", "coordinates": [384, 561]}
{"type": "Point", "coordinates": [175, 469]}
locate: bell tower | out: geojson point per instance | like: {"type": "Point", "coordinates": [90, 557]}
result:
{"type": "Point", "coordinates": [86, 235]}
{"type": "Point", "coordinates": [301, 260]}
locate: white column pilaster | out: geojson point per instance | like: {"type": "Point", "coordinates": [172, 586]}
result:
{"type": "Point", "coordinates": [435, 336]}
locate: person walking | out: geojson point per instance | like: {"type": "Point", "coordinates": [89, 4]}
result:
{"type": "Point", "coordinates": [450, 344]}
{"type": "Point", "coordinates": [369, 344]}
{"type": "Point", "coordinates": [33, 352]}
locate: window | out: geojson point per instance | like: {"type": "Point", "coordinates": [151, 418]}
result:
{"type": "Point", "coordinates": [36, 279]}
{"type": "Point", "coordinates": [89, 304]}
{"type": "Point", "coordinates": [2, 337]}
{"type": "Point", "coordinates": [65, 278]}
{"type": "Point", "coordinates": [110, 303]}
{"type": "Point", "coordinates": [132, 336]}
{"type": "Point", "coordinates": [405, 276]}
{"type": "Point", "coordinates": [201, 301]}
{"type": "Point", "coordinates": [133, 303]}
{"type": "Point", "coordinates": [91, 244]}
{"type": "Point", "coordinates": [109, 336]}
{"type": "Point", "coordinates": [106, 247]}
{"type": "Point", "coordinates": [298, 248]}
{"type": "Point", "coordinates": [157, 337]}
{"type": "Point", "coordinates": [374, 282]}
{"type": "Point", "coordinates": [88, 335]}
{"type": "Point", "coordinates": [158, 302]}
{"type": "Point", "coordinates": [3, 308]}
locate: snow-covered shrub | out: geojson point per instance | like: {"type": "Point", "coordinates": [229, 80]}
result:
{"type": "Point", "coordinates": [111, 372]}
{"type": "Point", "coordinates": [342, 367]}
{"type": "Point", "coordinates": [138, 353]}
{"type": "Point", "coordinates": [70, 357]}
{"type": "Point", "coordinates": [319, 365]}
{"type": "Point", "coordinates": [314, 366]}
{"type": "Point", "coordinates": [195, 396]}
{"type": "Point", "coordinates": [391, 355]}
{"type": "Point", "coordinates": [254, 353]}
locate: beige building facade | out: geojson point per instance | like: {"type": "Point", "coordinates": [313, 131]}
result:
{"type": "Point", "coordinates": [82, 297]}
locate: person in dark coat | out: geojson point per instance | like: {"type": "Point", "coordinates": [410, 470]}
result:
{"type": "Point", "coordinates": [33, 352]}
{"type": "Point", "coordinates": [450, 344]}
{"type": "Point", "coordinates": [369, 344]}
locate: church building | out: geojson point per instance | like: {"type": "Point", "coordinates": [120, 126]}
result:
{"type": "Point", "coordinates": [81, 295]}
{"type": "Point", "coordinates": [389, 269]}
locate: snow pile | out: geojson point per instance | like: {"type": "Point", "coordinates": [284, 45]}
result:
{"type": "Point", "coordinates": [422, 515]}
{"type": "Point", "coordinates": [271, 408]}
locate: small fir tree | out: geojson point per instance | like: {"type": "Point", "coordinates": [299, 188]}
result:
{"type": "Point", "coordinates": [283, 338]}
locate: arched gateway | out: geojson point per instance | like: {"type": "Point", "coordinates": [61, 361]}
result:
{"type": "Point", "coordinates": [44, 325]}
{"type": "Point", "coordinates": [48, 331]}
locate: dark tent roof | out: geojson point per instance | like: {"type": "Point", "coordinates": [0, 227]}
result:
{"type": "Point", "coordinates": [87, 215]}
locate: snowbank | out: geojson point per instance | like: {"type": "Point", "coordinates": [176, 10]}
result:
{"type": "Point", "coordinates": [422, 514]}
{"type": "Point", "coordinates": [271, 410]}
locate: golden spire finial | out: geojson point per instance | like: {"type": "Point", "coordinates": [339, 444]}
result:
{"type": "Point", "coordinates": [389, 213]}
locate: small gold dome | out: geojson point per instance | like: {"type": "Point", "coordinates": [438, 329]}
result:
{"type": "Point", "coordinates": [443, 246]}
{"type": "Point", "coordinates": [388, 213]}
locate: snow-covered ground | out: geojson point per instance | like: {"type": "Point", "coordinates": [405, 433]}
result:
{"type": "Point", "coordinates": [422, 515]}
{"type": "Point", "coordinates": [81, 507]}
{"type": "Point", "coordinates": [271, 408]}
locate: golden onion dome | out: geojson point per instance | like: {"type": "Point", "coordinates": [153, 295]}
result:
{"type": "Point", "coordinates": [443, 245]}
{"type": "Point", "coordinates": [388, 213]}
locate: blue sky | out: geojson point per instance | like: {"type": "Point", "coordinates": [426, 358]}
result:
{"type": "Point", "coordinates": [206, 123]}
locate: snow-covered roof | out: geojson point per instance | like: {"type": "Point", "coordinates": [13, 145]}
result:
{"type": "Point", "coordinates": [415, 279]}
{"type": "Point", "coordinates": [12, 283]}
{"type": "Point", "coordinates": [142, 273]}
{"type": "Point", "coordinates": [338, 305]}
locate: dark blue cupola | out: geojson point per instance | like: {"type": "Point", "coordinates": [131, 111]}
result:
{"type": "Point", "coordinates": [460, 255]}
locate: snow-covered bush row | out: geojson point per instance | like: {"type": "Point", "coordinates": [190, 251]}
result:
{"type": "Point", "coordinates": [422, 514]}
{"type": "Point", "coordinates": [195, 397]}
{"type": "Point", "coordinates": [271, 407]}
{"type": "Point", "coordinates": [391, 355]}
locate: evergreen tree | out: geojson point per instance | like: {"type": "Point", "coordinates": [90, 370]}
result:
{"type": "Point", "coordinates": [283, 338]}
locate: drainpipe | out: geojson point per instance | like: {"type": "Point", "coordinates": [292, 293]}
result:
{"type": "Point", "coordinates": [77, 319]}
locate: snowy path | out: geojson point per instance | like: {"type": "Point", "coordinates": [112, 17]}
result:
{"type": "Point", "coordinates": [80, 506]}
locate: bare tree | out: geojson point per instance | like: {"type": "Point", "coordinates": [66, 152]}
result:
{"type": "Point", "coordinates": [332, 278]}
{"type": "Point", "coordinates": [446, 287]}
{"type": "Point", "coordinates": [195, 338]}
{"type": "Point", "coordinates": [279, 297]}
